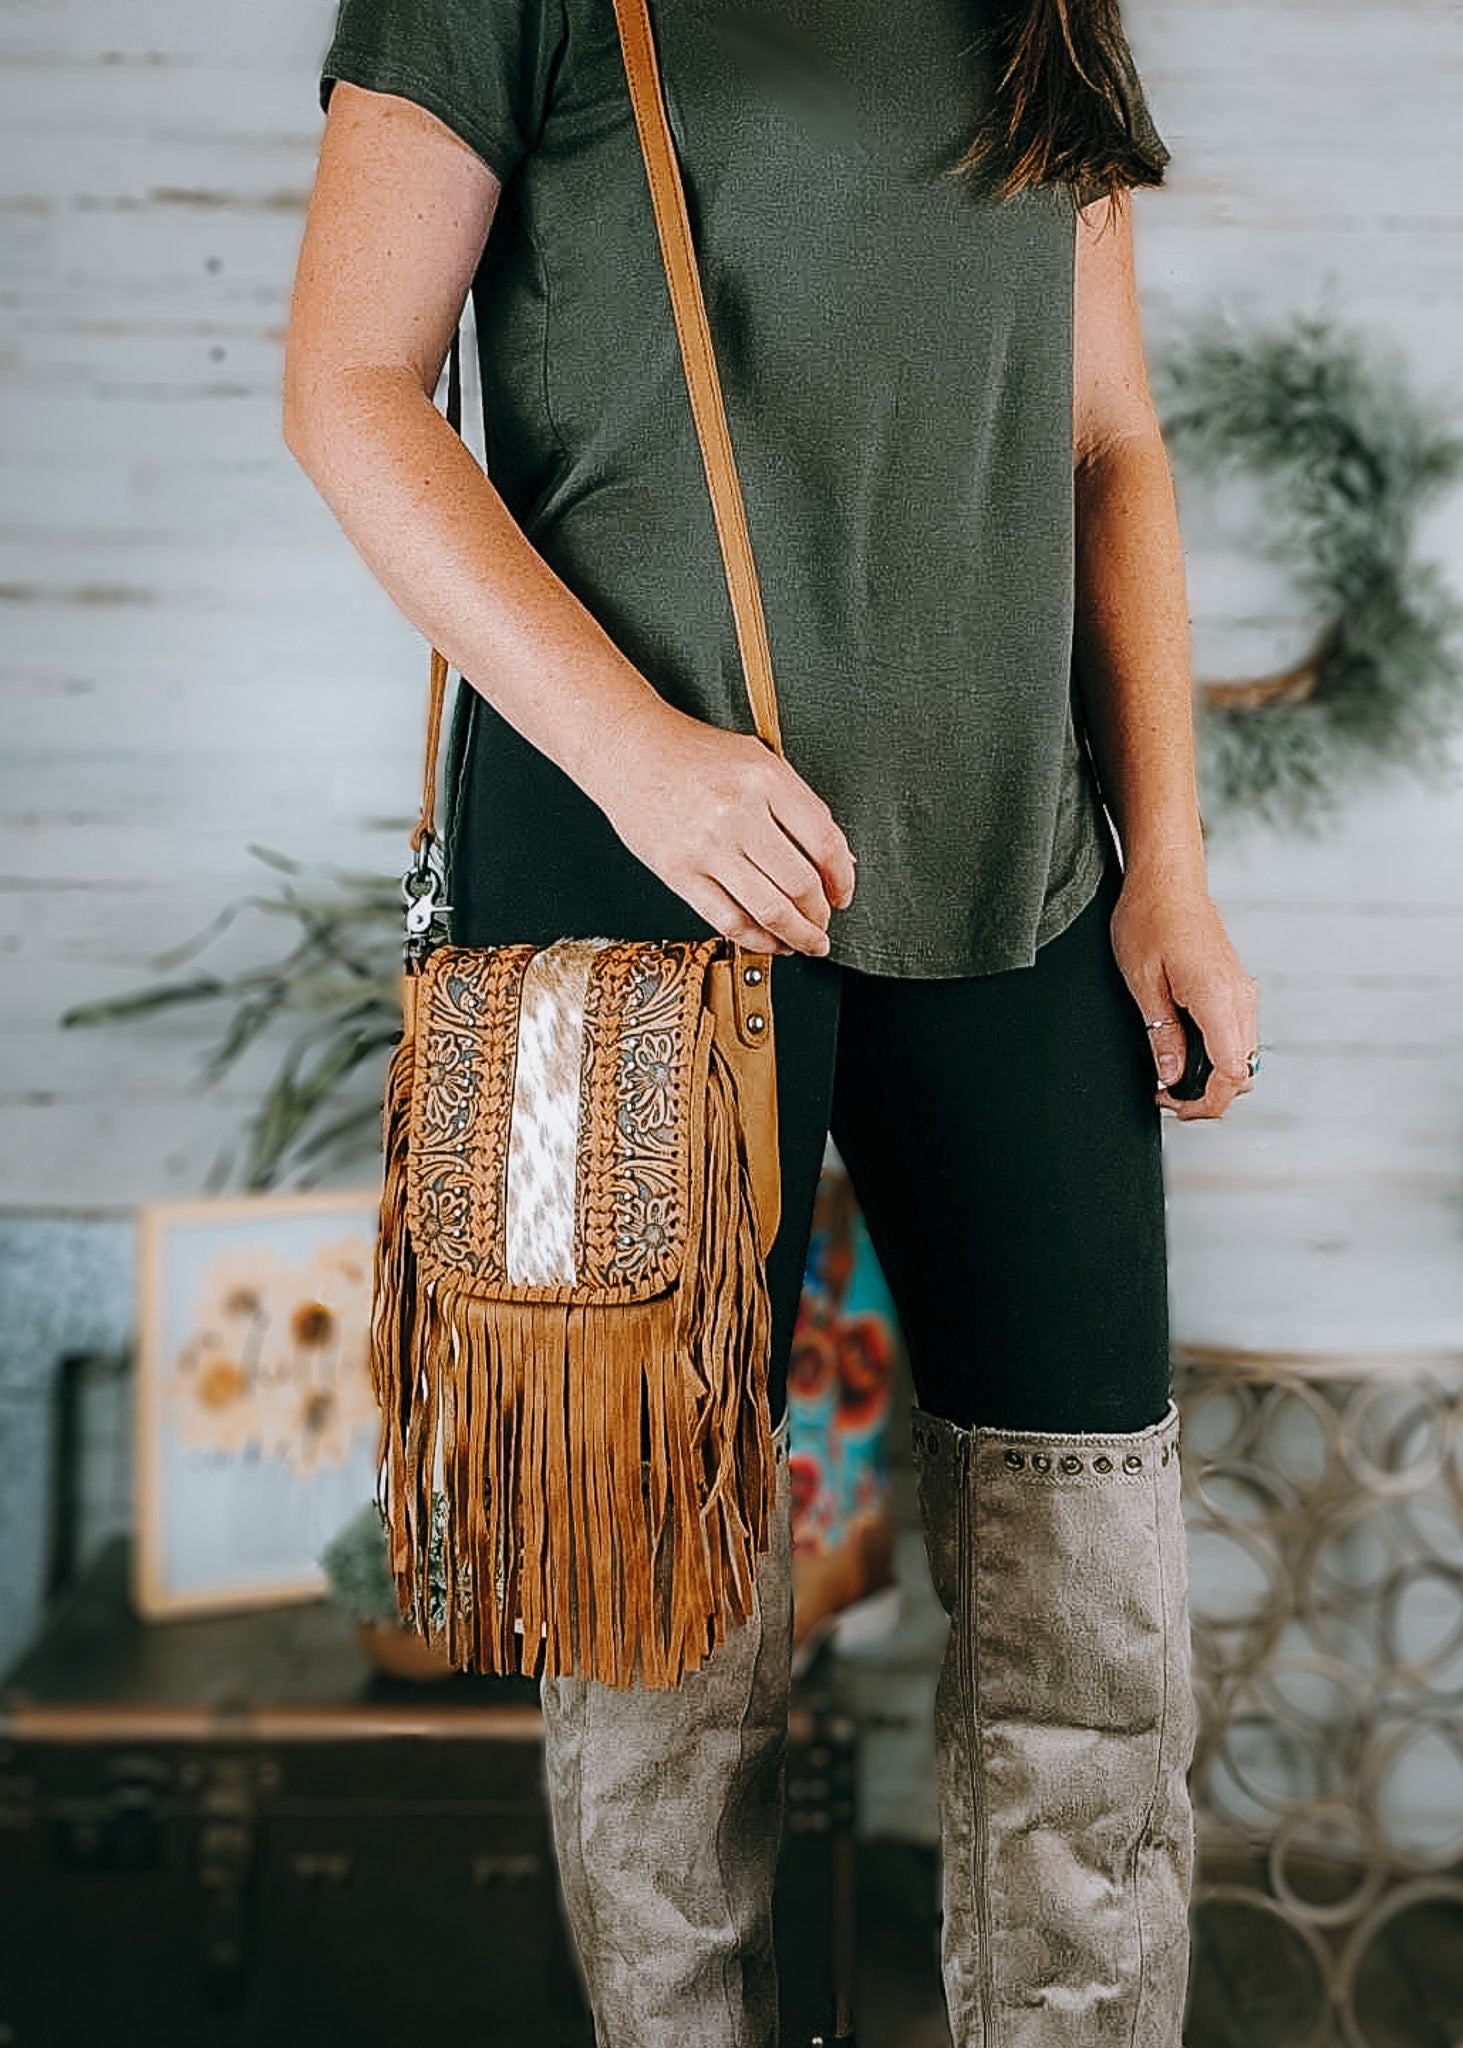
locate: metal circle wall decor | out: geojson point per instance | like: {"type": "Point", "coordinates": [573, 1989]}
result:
{"type": "Point", "coordinates": [1328, 1774]}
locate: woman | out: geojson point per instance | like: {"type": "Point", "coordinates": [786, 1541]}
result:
{"type": "Point", "coordinates": [919, 271]}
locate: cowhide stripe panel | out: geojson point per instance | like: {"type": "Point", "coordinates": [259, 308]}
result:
{"type": "Point", "coordinates": [544, 1130]}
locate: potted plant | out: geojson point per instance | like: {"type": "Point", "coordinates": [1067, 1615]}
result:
{"type": "Point", "coordinates": [356, 1564]}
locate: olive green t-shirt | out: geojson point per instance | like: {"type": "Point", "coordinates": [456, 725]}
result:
{"type": "Point", "coordinates": [896, 355]}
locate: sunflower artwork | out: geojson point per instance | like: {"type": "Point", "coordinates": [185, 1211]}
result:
{"type": "Point", "coordinates": [256, 1422]}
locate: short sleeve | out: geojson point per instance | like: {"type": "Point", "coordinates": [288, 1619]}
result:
{"type": "Point", "coordinates": [484, 67]}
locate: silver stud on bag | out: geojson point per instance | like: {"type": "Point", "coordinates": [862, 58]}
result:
{"type": "Point", "coordinates": [756, 1022]}
{"type": "Point", "coordinates": [1071, 1463]}
{"type": "Point", "coordinates": [1132, 1463]}
{"type": "Point", "coordinates": [1015, 1460]}
{"type": "Point", "coordinates": [752, 975]}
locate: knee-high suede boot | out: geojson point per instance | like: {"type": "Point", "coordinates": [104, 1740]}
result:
{"type": "Point", "coordinates": [666, 1809]}
{"type": "Point", "coordinates": [1065, 1725]}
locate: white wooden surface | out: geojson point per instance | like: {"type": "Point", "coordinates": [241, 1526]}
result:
{"type": "Point", "coordinates": [192, 657]}
{"type": "Point", "coordinates": [1318, 163]}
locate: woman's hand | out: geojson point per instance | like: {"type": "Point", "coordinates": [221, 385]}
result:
{"type": "Point", "coordinates": [730, 826]}
{"type": "Point", "coordinates": [1173, 949]}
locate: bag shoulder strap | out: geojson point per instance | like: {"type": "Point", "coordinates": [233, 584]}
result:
{"type": "Point", "coordinates": [689, 308]}
{"type": "Point", "coordinates": [693, 331]}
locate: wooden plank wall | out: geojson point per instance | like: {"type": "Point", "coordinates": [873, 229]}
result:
{"type": "Point", "coordinates": [1318, 164]}
{"type": "Point", "coordinates": [193, 659]}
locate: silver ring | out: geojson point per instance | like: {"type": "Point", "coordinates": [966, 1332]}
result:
{"type": "Point", "coordinates": [1154, 1023]}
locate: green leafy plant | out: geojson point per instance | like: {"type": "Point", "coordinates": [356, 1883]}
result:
{"type": "Point", "coordinates": [356, 1563]}
{"type": "Point", "coordinates": [337, 983]}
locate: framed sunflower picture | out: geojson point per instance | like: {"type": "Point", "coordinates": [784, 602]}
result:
{"type": "Point", "coordinates": [255, 1423]}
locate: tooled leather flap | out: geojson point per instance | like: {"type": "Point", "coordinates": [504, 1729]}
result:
{"type": "Point", "coordinates": [552, 1094]}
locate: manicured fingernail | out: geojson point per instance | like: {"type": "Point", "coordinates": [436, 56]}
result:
{"type": "Point", "coordinates": [1170, 1066]}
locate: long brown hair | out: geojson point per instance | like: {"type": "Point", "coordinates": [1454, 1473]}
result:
{"type": "Point", "coordinates": [1067, 109]}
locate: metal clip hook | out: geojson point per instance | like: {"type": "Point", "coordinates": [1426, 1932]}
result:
{"type": "Point", "coordinates": [419, 887]}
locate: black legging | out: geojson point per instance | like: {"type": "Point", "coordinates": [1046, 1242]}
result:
{"type": "Point", "coordinates": [1000, 1129]}
{"type": "Point", "coordinates": [1003, 1142]}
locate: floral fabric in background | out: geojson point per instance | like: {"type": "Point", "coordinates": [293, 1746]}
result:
{"type": "Point", "coordinates": [840, 1390]}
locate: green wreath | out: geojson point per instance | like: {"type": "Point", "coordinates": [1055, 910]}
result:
{"type": "Point", "coordinates": [1348, 456]}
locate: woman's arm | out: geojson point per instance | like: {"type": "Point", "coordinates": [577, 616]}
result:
{"type": "Point", "coordinates": [398, 218]}
{"type": "Point", "coordinates": [1132, 656]}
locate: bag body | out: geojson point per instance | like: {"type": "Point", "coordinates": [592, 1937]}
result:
{"type": "Point", "coordinates": [570, 1324]}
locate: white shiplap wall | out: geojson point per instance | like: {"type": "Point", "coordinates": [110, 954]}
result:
{"type": "Point", "coordinates": [1318, 163]}
{"type": "Point", "coordinates": [193, 658]}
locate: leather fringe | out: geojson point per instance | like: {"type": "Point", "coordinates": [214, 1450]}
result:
{"type": "Point", "coordinates": [579, 1487]}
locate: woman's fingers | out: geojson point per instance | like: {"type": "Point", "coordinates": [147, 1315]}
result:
{"type": "Point", "coordinates": [771, 907]}
{"type": "Point", "coordinates": [810, 824]}
{"type": "Point", "coordinates": [1166, 1037]}
{"type": "Point", "coordinates": [1219, 1015]}
{"type": "Point", "coordinates": [1150, 991]}
{"type": "Point", "coordinates": [720, 909]}
{"type": "Point", "coordinates": [789, 869]}
{"type": "Point", "coordinates": [794, 868]}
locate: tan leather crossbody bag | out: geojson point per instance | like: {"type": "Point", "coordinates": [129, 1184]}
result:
{"type": "Point", "coordinates": [570, 1324]}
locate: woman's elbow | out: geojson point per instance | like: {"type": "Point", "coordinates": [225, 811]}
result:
{"type": "Point", "coordinates": [1126, 437]}
{"type": "Point", "coordinates": [312, 381]}
{"type": "Point", "coordinates": [300, 407]}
